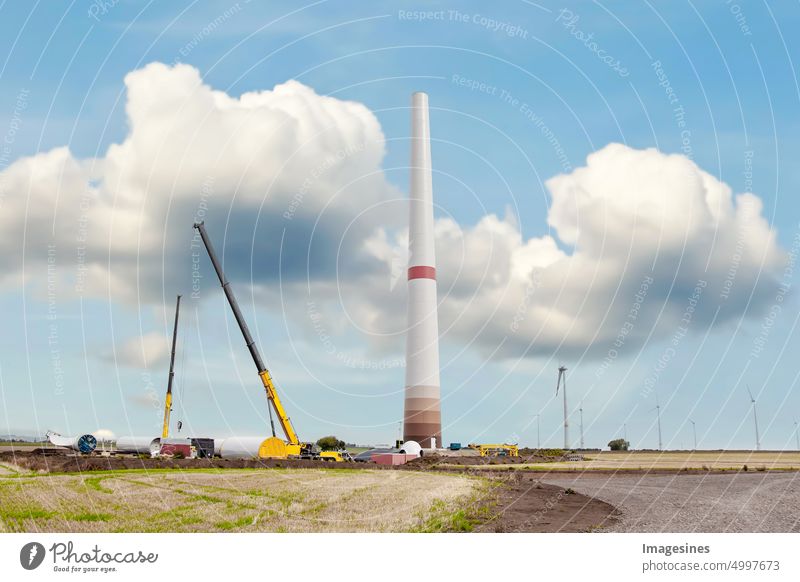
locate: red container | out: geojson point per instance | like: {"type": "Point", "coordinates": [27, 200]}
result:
{"type": "Point", "coordinates": [171, 449]}
{"type": "Point", "coordinates": [392, 458]}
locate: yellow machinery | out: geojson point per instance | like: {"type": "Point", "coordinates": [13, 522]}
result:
{"type": "Point", "coordinates": [272, 447]}
{"type": "Point", "coordinates": [168, 399]}
{"type": "Point", "coordinates": [496, 450]}
{"type": "Point", "coordinates": [336, 456]}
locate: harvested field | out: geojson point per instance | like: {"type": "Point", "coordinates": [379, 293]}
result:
{"type": "Point", "coordinates": [646, 461]}
{"type": "Point", "coordinates": [269, 500]}
{"type": "Point", "coordinates": [183, 495]}
{"type": "Point", "coordinates": [717, 502]}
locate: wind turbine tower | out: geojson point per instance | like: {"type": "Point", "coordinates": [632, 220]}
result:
{"type": "Point", "coordinates": [694, 430]}
{"type": "Point", "coordinates": [755, 419]}
{"type": "Point", "coordinates": [581, 411]}
{"type": "Point", "coordinates": [422, 417]}
{"type": "Point", "coordinates": [658, 417]}
{"type": "Point", "coordinates": [796, 434]}
{"type": "Point", "coordinates": [562, 373]}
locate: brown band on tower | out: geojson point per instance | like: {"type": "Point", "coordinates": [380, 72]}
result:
{"type": "Point", "coordinates": [422, 410]}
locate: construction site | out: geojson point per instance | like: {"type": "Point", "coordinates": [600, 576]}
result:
{"type": "Point", "coordinates": [285, 482]}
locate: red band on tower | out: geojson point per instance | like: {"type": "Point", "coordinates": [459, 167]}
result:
{"type": "Point", "coordinates": [421, 273]}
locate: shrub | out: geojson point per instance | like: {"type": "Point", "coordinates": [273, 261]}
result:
{"type": "Point", "coordinates": [619, 445]}
{"type": "Point", "coordinates": [330, 443]}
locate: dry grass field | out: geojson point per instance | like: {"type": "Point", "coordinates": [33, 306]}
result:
{"type": "Point", "coordinates": [271, 500]}
{"type": "Point", "coordinates": [678, 460]}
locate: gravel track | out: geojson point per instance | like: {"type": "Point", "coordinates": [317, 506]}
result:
{"type": "Point", "coordinates": [735, 502]}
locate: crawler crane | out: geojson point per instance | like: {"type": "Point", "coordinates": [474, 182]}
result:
{"type": "Point", "coordinates": [272, 447]}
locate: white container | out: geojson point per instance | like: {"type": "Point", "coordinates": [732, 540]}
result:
{"type": "Point", "coordinates": [138, 445]}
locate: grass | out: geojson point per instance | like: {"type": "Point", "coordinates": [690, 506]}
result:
{"type": "Point", "coordinates": [457, 521]}
{"type": "Point", "coordinates": [233, 500]}
{"type": "Point", "coordinates": [94, 484]}
{"type": "Point", "coordinates": [25, 513]}
{"type": "Point", "coordinates": [87, 516]}
{"type": "Point", "coordinates": [464, 516]}
{"type": "Point", "coordinates": [235, 525]}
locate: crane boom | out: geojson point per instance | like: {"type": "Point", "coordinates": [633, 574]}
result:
{"type": "Point", "coordinates": [266, 377]}
{"type": "Point", "coordinates": [168, 399]}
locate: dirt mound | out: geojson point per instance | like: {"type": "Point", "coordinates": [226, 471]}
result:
{"type": "Point", "coordinates": [524, 504]}
{"type": "Point", "coordinates": [72, 463]}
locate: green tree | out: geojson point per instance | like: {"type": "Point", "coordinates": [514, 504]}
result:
{"type": "Point", "coordinates": [330, 443]}
{"type": "Point", "coordinates": [619, 445]}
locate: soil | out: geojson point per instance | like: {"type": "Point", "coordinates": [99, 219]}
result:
{"type": "Point", "coordinates": [72, 463]}
{"type": "Point", "coordinates": [523, 503]}
{"type": "Point", "coordinates": [752, 501]}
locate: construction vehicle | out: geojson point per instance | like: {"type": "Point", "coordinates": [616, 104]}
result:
{"type": "Point", "coordinates": [168, 399]}
{"type": "Point", "coordinates": [503, 450]}
{"type": "Point", "coordinates": [274, 447]}
{"type": "Point", "coordinates": [336, 456]}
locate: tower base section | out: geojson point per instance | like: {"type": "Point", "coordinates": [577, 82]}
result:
{"type": "Point", "coordinates": [422, 418]}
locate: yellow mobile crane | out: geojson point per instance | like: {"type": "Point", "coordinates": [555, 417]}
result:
{"type": "Point", "coordinates": [168, 399]}
{"type": "Point", "coordinates": [272, 447]}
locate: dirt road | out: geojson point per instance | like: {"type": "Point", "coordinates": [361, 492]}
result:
{"type": "Point", "coordinates": [735, 502]}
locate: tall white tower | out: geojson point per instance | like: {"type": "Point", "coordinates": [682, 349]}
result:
{"type": "Point", "coordinates": [422, 416]}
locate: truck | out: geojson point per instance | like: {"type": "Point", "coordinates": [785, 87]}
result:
{"type": "Point", "coordinates": [336, 456]}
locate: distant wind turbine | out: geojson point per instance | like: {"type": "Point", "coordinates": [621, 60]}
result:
{"type": "Point", "coordinates": [581, 411]}
{"type": "Point", "coordinates": [694, 430]}
{"type": "Point", "coordinates": [538, 433]}
{"type": "Point", "coordinates": [658, 416]}
{"type": "Point", "coordinates": [755, 419]}
{"type": "Point", "coordinates": [796, 434]}
{"type": "Point", "coordinates": [562, 374]}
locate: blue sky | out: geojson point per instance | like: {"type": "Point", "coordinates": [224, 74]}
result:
{"type": "Point", "coordinates": [491, 72]}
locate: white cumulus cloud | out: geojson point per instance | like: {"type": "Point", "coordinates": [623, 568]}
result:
{"type": "Point", "coordinates": [627, 218]}
{"type": "Point", "coordinates": [146, 351]}
{"type": "Point", "coordinates": [260, 168]}
{"type": "Point", "coordinates": [292, 188]}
